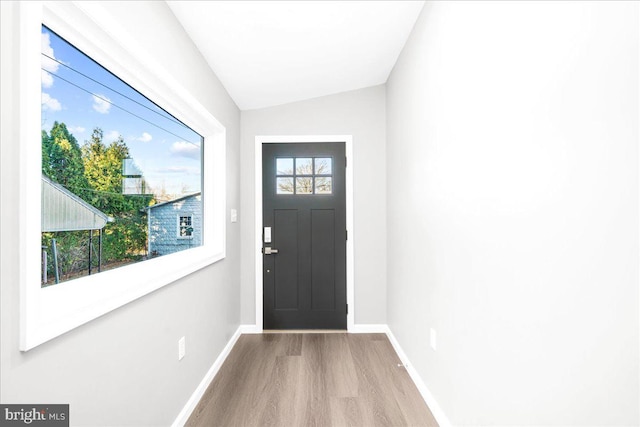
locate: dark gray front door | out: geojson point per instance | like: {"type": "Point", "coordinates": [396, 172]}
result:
{"type": "Point", "coordinates": [304, 236]}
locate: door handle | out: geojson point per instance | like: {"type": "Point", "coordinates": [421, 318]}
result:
{"type": "Point", "coordinates": [269, 251]}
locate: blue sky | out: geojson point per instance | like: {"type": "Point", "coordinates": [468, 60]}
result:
{"type": "Point", "coordinates": [168, 153]}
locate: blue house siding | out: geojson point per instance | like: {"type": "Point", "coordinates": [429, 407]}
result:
{"type": "Point", "coordinates": [164, 234]}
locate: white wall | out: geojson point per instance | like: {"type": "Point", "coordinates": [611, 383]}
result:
{"type": "Point", "coordinates": [122, 369]}
{"type": "Point", "coordinates": [358, 113]}
{"type": "Point", "coordinates": [513, 210]}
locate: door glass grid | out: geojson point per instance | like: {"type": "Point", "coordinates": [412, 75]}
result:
{"type": "Point", "coordinates": [304, 175]}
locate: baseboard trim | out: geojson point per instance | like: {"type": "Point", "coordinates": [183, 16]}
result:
{"type": "Point", "coordinates": [250, 329]}
{"type": "Point", "coordinates": [436, 410]}
{"type": "Point", "coordinates": [355, 329]}
{"type": "Point", "coordinates": [193, 401]}
{"type": "Point", "coordinates": [364, 328]}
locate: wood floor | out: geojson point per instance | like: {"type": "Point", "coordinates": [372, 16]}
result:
{"type": "Point", "coordinates": [312, 379]}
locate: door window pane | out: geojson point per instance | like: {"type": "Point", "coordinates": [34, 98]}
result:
{"type": "Point", "coordinates": [323, 185]}
{"type": "Point", "coordinates": [304, 166]}
{"type": "Point", "coordinates": [304, 185]}
{"type": "Point", "coordinates": [284, 186]}
{"type": "Point", "coordinates": [323, 166]}
{"type": "Point", "coordinates": [284, 166]}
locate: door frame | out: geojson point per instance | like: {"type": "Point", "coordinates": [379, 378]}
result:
{"type": "Point", "coordinates": [308, 139]}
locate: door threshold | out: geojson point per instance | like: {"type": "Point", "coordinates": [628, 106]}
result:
{"type": "Point", "coordinates": [304, 331]}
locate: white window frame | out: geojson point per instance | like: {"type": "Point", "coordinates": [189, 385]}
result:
{"type": "Point", "coordinates": [182, 215]}
{"type": "Point", "coordinates": [46, 313]}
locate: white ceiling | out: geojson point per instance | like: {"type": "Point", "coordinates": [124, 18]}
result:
{"type": "Point", "coordinates": [273, 52]}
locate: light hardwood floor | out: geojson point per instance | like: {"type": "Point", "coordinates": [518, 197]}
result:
{"type": "Point", "coordinates": [312, 379]}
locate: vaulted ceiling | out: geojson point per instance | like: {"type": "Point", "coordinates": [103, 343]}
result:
{"type": "Point", "coordinates": [274, 52]}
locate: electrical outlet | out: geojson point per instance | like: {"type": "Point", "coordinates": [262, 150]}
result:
{"type": "Point", "coordinates": [432, 338]}
{"type": "Point", "coordinates": [234, 215]}
{"type": "Point", "coordinates": [181, 348]}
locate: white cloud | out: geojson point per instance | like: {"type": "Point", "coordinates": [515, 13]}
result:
{"type": "Point", "coordinates": [185, 149]}
{"type": "Point", "coordinates": [101, 104]}
{"type": "Point", "coordinates": [111, 136]}
{"type": "Point", "coordinates": [47, 63]}
{"type": "Point", "coordinates": [46, 79]}
{"type": "Point", "coordinates": [145, 137]}
{"type": "Point", "coordinates": [49, 103]}
{"type": "Point", "coordinates": [76, 129]}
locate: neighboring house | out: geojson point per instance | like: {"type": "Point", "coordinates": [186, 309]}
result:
{"type": "Point", "coordinates": [175, 225]}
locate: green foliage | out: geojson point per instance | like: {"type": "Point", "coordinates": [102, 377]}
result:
{"type": "Point", "coordinates": [94, 172]}
{"type": "Point", "coordinates": [73, 247]}
{"type": "Point", "coordinates": [62, 160]}
{"type": "Point", "coordinates": [103, 170]}
{"type": "Point", "coordinates": [125, 238]}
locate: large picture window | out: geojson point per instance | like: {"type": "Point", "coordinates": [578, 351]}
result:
{"type": "Point", "coordinates": [117, 159]}
{"type": "Point", "coordinates": [115, 169]}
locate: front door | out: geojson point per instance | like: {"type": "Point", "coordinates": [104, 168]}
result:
{"type": "Point", "coordinates": [304, 236]}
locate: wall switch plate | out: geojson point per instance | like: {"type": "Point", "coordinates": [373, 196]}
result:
{"type": "Point", "coordinates": [234, 215]}
{"type": "Point", "coordinates": [432, 338]}
{"type": "Point", "coordinates": [181, 348]}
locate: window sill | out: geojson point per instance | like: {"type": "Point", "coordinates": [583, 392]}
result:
{"type": "Point", "coordinates": [71, 304]}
